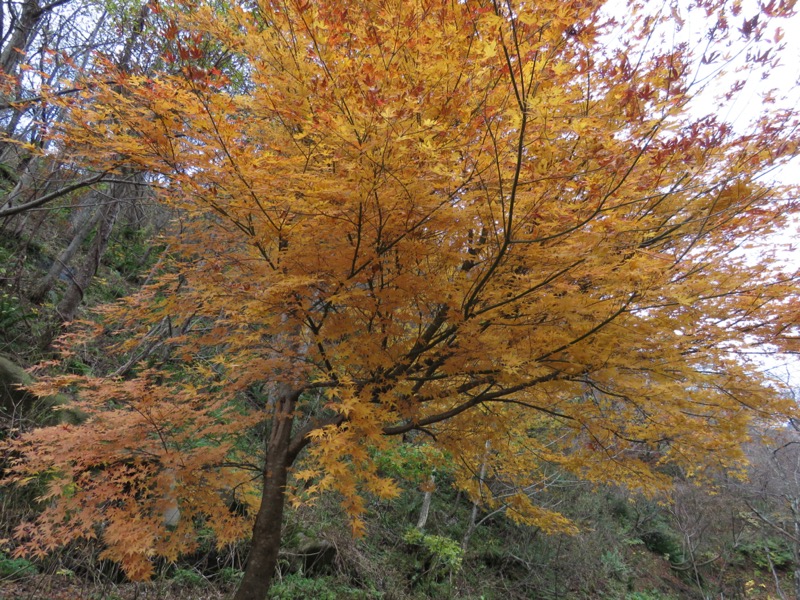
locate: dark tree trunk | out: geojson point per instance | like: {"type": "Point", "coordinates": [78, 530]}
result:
{"type": "Point", "coordinates": [263, 558]}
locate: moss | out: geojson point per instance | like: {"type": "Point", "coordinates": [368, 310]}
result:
{"type": "Point", "coordinates": [16, 401]}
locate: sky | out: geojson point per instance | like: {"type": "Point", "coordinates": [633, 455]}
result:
{"type": "Point", "coordinates": [780, 81]}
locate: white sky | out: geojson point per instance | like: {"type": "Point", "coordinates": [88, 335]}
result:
{"type": "Point", "coordinates": [743, 111]}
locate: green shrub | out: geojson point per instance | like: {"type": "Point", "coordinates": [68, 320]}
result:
{"type": "Point", "coordinates": [409, 462]}
{"type": "Point", "coordinates": [130, 252]}
{"type": "Point", "coordinates": [188, 578]}
{"type": "Point", "coordinates": [297, 587]}
{"type": "Point", "coordinates": [11, 311]}
{"type": "Point", "coordinates": [16, 568]}
{"type": "Point", "coordinates": [442, 552]}
{"type": "Point", "coordinates": [229, 576]}
{"type": "Point", "coordinates": [661, 541]}
{"type": "Point", "coordinates": [779, 553]}
{"type": "Point", "coordinates": [614, 565]}
{"type": "Point", "coordinates": [649, 595]}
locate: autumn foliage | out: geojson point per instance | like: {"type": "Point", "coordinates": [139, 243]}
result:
{"type": "Point", "coordinates": [500, 225]}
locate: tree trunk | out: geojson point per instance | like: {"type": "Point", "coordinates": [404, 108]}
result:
{"type": "Point", "coordinates": [105, 218]}
{"type": "Point", "coordinates": [263, 558]}
{"type": "Point", "coordinates": [72, 299]}
{"type": "Point", "coordinates": [426, 503]}
{"type": "Point", "coordinates": [24, 30]}
{"type": "Point", "coordinates": [61, 263]}
{"type": "Point", "coordinates": [12, 54]}
{"type": "Point", "coordinates": [25, 168]}
{"type": "Point", "coordinates": [473, 517]}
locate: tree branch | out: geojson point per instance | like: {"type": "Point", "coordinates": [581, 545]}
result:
{"type": "Point", "coordinates": [15, 210]}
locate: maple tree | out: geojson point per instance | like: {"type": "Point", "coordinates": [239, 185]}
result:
{"type": "Point", "coordinates": [496, 224]}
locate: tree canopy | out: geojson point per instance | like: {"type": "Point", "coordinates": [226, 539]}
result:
{"type": "Point", "coordinates": [502, 226]}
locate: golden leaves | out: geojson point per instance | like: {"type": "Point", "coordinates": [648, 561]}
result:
{"type": "Point", "coordinates": [482, 225]}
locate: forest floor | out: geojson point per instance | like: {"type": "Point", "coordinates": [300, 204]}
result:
{"type": "Point", "coordinates": [54, 587]}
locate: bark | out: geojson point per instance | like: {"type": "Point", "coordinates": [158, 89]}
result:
{"type": "Point", "coordinates": [23, 33]}
{"type": "Point", "coordinates": [24, 28]}
{"type": "Point", "coordinates": [72, 299]}
{"type": "Point", "coordinates": [263, 558]}
{"type": "Point", "coordinates": [25, 169]}
{"type": "Point", "coordinates": [426, 504]}
{"type": "Point", "coordinates": [62, 260]}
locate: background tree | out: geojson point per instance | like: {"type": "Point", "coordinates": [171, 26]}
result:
{"type": "Point", "coordinates": [772, 494]}
{"type": "Point", "coordinates": [65, 40]}
{"type": "Point", "coordinates": [487, 222]}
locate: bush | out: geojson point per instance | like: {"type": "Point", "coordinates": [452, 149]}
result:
{"type": "Point", "coordinates": [188, 578]}
{"type": "Point", "coordinates": [442, 552]}
{"type": "Point", "coordinates": [661, 541]}
{"type": "Point", "coordinates": [409, 462]}
{"type": "Point", "coordinates": [615, 566]}
{"type": "Point", "coordinates": [780, 554]}
{"type": "Point", "coordinates": [16, 568]}
{"type": "Point", "coordinates": [229, 576]}
{"type": "Point", "coordinates": [650, 595]}
{"type": "Point", "coordinates": [297, 587]}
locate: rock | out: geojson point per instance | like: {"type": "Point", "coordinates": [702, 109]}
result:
{"type": "Point", "coordinates": [17, 403]}
{"type": "Point", "coordinates": [311, 557]}
{"type": "Point", "coordinates": [13, 399]}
